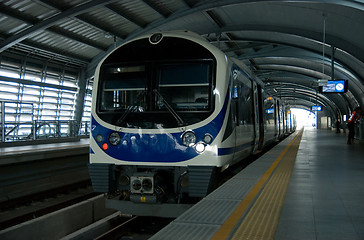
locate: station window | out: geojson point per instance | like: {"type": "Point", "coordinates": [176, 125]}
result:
{"type": "Point", "coordinates": [36, 101]}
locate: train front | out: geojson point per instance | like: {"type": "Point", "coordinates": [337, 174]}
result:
{"type": "Point", "coordinates": [156, 118]}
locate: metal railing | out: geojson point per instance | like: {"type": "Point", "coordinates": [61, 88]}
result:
{"type": "Point", "coordinates": [34, 129]}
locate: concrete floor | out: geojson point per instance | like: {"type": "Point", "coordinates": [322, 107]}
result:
{"type": "Point", "coordinates": [325, 197]}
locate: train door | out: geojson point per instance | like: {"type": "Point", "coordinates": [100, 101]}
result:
{"type": "Point", "coordinates": [289, 121]}
{"type": "Point", "coordinates": [284, 121]}
{"type": "Point", "coordinates": [243, 98]}
{"type": "Point", "coordinates": [260, 116]}
{"type": "Point", "coordinates": [279, 119]}
{"type": "Point", "coordinates": [276, 130]}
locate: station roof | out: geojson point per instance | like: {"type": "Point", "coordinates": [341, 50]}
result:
{"type": "Point", "coordinates": [290, 45]}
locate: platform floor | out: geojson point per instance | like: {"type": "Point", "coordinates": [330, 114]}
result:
{"type": "Point", "coordinates": [43, 147]}
{"type": "Point", "coordinates": [20, 154]}
{"type": "Point", "coordinates": [310, 186]}
{"type": "Point", "coordinates": [325, 197]}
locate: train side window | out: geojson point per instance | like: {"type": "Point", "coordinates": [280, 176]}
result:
{"type": "Point", "coordinates": [242, 96]}
{"type": "Point", "coordinates": [269, 110]}
{"type": "Point", "coordinates": [246, 106]}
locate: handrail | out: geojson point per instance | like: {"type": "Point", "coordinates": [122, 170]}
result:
{"type": "Point", "coordinates": [11, 131]}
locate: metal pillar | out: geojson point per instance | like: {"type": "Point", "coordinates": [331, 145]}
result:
{"type": "Point", "coordinates": [80, 101]}
{"type": "Point", "coordinates": [2, 121]}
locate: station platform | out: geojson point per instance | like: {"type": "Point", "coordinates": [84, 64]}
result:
{"type": "Point", "coordinates": [309, 186]}
{"type": "Point", "coordinates": [34, 169]}
{"type": "Point", "coordinates": [19, 154]}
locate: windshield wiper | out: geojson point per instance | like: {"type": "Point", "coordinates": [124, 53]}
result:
{"type": "Point", "coordinates": [130, 109]}
{"type": "Point", "coordinates": [170, 109]}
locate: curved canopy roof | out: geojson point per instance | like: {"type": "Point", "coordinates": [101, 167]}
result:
{"type": "Point", "coordinates": [290, 45]}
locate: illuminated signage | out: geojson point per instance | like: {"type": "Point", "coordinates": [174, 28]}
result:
{"type": "Point", "coordinates": [335, 86]}
{"type": "Point", "coordinates": [316, 108]}
{"type": "Point", "coordinates": [270, 110]}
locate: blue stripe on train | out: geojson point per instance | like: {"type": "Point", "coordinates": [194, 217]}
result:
{"type": "Point", "coordinates": [139, 147]}
{"type": "Point", "coordinates": [231, 150]}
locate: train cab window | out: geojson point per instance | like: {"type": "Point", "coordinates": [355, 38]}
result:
{"type": "Point", "coordinates": [124, 87]}
{"type": "Point", "coordinates": [186, 87]}
{"type": "Point", "coordinates": [155, 95]}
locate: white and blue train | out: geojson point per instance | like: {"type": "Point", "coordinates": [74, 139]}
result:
{"type": "Point", "coordinates": [170, 112]}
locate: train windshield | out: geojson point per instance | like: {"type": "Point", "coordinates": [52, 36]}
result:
{"type": "Point", "coordinates": [156, 95]}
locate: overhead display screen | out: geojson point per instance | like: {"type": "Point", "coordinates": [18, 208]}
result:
{"type": "Point", "coordinates": [335, 86]}
{"type": "Point", "coordinates": [316, 108]}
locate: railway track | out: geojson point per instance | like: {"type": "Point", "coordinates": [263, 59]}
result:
{"type": "Point", "coordinates": [131, 227]}
{"type": "Point", "coordinates": [118, 230]}
{"type": "Point", "coordinates": [74, 199]}
{"type": "Point", "coordinates": [23, 179]}
{"type": "Point", "coordinates": [141, 228]}
{"type": "Point", "coordinates": [30, 207]}
{"type": "Point", "coordinates": [34, 182]}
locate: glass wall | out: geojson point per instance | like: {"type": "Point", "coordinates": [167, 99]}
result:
{"type": "Point", "coordinates": [86, 116]}
{"type": "Point", "coordinates": [37, 100]}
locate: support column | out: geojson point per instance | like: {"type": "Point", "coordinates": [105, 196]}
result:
{"type": "Point", "coordinates": [80, 101]}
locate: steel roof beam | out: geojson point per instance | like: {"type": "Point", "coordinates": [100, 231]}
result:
{"type": "Point", "coordinates": [17, 38]}
{"type": "Point", "coordinates": [52, 53]}
{"type": "Point", "coordinates": [126, 15]}
{"type": "Point", "coordinates": [215, 18]}
{"type": "Point", "coordinates": [298, 93]}
{"type": "Point", "coordinates": [189, 3]}
{"type": "Point", "coordinates": [337, 99]}
{"type": "Point", "coordinates": [156, 7]}
{"type": "Point", "coordinates": [330, 39]}
{"type": "Point", "coordinates": [57, 30]}
{"type": "Point", "coordinates": [96, 24]}
{"type": "Point", "coordinates": [289, 97]}
{"type": "Point", "coordinates": [78, 38]}
{"type": "Point", "coordinates": [84, 19]}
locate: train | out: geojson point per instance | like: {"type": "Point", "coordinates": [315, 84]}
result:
{"type": "Point", "coordinates": [170, 113]}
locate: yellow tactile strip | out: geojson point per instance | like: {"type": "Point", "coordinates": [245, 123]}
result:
{"type": "Point", "coordinates": [262, 219]}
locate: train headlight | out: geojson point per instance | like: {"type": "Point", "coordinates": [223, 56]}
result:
{"type": "Point", "coordinates": [207, 138]}
{"type": "Point", "coordinates": [99, 138]}
{"type": "Point", "coordinates": [114, 138]}
{"type": "Point", "coordinates": [189, 139]}
{"type": "Point", "coordinates": [200, 147]}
